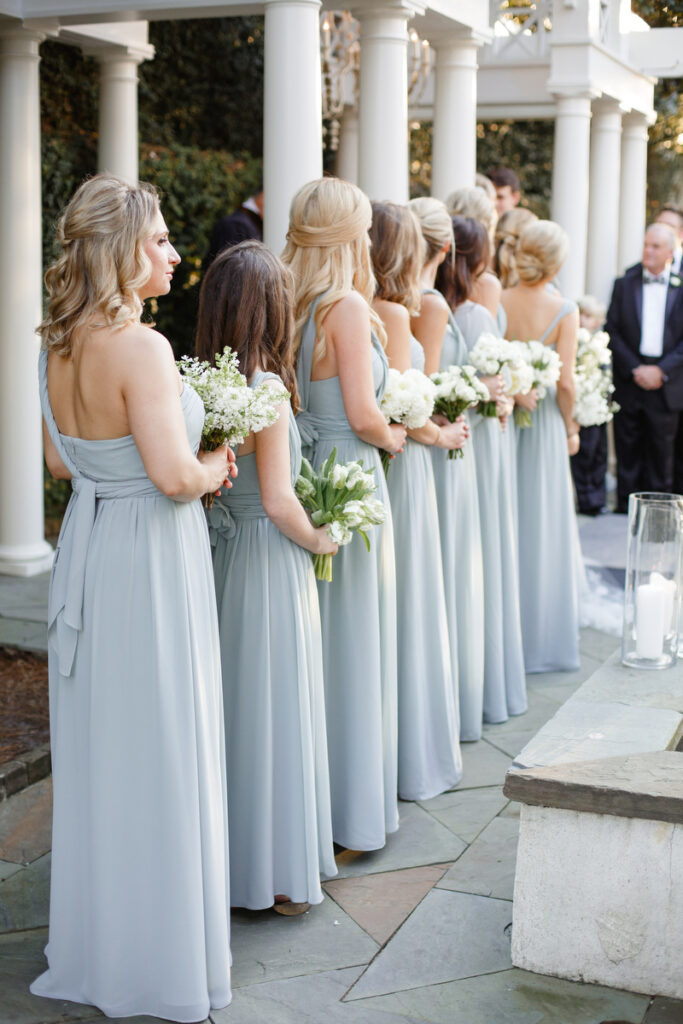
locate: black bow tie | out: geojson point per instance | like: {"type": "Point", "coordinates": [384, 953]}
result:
{"type": "Point", "coordinates": [654, 278]}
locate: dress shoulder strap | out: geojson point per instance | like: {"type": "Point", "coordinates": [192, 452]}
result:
{"type": "Point", "coordinates": [567, 307]}
{"type": "Point", "coordinates": [262, 375]}
{"type": "Point", "coordinates": [48, 416]}
{"type": "Point", "coordinates": [304, 359]}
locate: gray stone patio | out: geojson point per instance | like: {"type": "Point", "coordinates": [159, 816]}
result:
{"type": "Point", "coordinates": [415, 933]}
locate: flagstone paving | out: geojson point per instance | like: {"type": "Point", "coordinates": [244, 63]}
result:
{"type": "Point", "coordinates": [416, 933]}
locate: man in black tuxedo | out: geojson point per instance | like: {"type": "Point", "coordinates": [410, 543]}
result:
{"type": "Point", "coordinates": [645, 325]}
{"type": "Point", "coordinates": [245, 222]}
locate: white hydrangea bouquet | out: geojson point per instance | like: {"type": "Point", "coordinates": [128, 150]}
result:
{"type": "Point", "coordinates": [593, 404]}
{"type": "Point", "coordinates": [408, 399]}
{"type": "Point", "coordinates": [543, 367]}
{"type": "Point", "coordinates": [339, 496]}
{"type": "Point", "coordinates": [490, 356]}
{"type": "Point", "coordinates": [232, 409]}
{"type": "Point", "coordinates": [457, 388]}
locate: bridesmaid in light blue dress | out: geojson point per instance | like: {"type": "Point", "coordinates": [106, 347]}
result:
{"type": "Point", "coordinates": [429, 760]}
{"type": "Point", "coordinates": [549, 552]}
{"type": "Point", "coordinates": [269, 621]}
{"type": "Point", "coordinates": [341, 374]}
{"type": "Point", "coordinates": [504, 678]}
{"type": "Point", "coordinates": [139, 902]}
{"type": "Point", "coordinates": [455, 481]}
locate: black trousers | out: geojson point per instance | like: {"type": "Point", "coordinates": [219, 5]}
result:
{"type": "Point", "coordinates": [678, 459]}
{"type": "Point", "coordinates": [589, 466]}
{"type": "Point", "coordinates": [644, 437]}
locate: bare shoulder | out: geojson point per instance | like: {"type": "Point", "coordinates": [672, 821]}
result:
{"type": "Point", "coordinates": [392, 314]}
{"type": "Point", "coordinates": [490, 286]}
{"type": "Point", "coordinates": [433, 303]}
{"type": "Point", "coordinates": [352, 307]}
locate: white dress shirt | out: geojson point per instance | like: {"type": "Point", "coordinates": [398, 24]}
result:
{"type": "Point", "coordinates": [654, 309]}
{"type": "Point", "coordinates": [676, 262]}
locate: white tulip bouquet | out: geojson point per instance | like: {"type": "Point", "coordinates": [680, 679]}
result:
{"type": "Point", "coordinates": [339, 496]}
{"type": "Point", "coordinates": [457, 388]}
{"type": "Point", "coordinates": [408, 399]}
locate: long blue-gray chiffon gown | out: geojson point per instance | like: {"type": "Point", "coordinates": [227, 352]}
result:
{"type": "Point", "coordinates": [139, 902]}
{"type": "Point", "coordinates": [358, 614]}
{"type": "Point", "coordinates": [463, 570]}
{"type": "Point", "coordinates": [504, 679]}
{"type": "Point", "coordinates": [429, 760]}
{"type": "Point", "coordinates": [271, 651]}
{"type": "Point", "coordinates": [549, 551]}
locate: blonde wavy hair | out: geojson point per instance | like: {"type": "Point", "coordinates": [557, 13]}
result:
{"type": "Point", "coordinates": [508, 230]}
{"type": "Point", "coordinates": [541, 250]}
{"type": "Point", "coordinates": [473, 202]}
{"type": "Point", "coordinates": [102, 265]}
{"type": "Point", "coordinates": [327, 250]}
{"type": "Point", "coordinates": [397, 250]}
{"type": "Point", "coordinates": [436, 225]}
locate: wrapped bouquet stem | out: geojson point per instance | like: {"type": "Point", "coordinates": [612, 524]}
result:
{"type": "Point", "coordinates": [232, 409]}
{"type": "Point", "coordinates": [339, 496]}
{"type": "Point", "coordinates": [408, 399]}
{"type": "Point", "coordinates": [457, 388]}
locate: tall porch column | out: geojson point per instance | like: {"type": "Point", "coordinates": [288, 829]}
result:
{"type": "Point", "coordinates": [571, 184]}
{"type": "Point", "coordinates": [383, 100]}
{"type": "Point", "coordinates": [633, 189]}
{"type": "Point", "coordinates": [454, 140]}
{"type": "Point", "coordinates": [23, 549]}
{"type": "Point", "coordinates": [603, 209]}
{"type": "Point", "coordinates": [346, 164]}
{"type": "Point", "coordinates": [118, 116]}
{"type": "Point", "coordinates": [292, 109]}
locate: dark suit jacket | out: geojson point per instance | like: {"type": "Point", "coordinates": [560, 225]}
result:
{"type": "Point", "coordinates": [623, 325]}
{"type": "Point", "coordinates": [230, 230]}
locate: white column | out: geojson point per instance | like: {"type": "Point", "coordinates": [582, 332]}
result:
{"type": "Point", "coordinates": [383, 101]}
{"type": "Point", "coordinates": [633, 189]}
{"type": "Point", "coordinates": [346, 164]}
{"type": "Point", "coordinates": [603, 209]}
{"type": "Point", "coordinates": [23, 549]}
{"type": "Point", "coordinates": [454, 140]}
{"type": "Point", "coordinates": [118, 118]}
{"type": "Point", "coordinates": [292, 109]}
{"type": "Point", "coordinates": [570, 185]}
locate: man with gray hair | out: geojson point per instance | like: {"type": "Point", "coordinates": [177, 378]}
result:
{"type": "Point", "coordinates": [645, 325]}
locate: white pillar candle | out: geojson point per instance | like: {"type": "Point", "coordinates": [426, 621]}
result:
{"type": "Point", "coordinates": [668, 588]}
{"type": "Point", "coordinates": [650, 601]}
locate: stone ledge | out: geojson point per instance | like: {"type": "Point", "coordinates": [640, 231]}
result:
{"type": "Point", "coordinates": [24, 770]}
{"type": "Point", "coordinates": [617, 712]}
{"type": "Point", "coordinates": [637, 786]}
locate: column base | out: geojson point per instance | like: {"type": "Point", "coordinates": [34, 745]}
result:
{"type": "Point", "coordinates": [26, 559]}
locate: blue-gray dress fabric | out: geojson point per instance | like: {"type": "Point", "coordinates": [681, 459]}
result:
{"type": "Point", "coordinates": [358, 614]}
{"type": "Point", "coordinates": [461, 551]}
{"type": "Point", "coordinates": [504, 679]}
{"type": "Point", "coordinates": [139, 905]}
{"type": "Point", "coordinates": [509, 440]}
{"type": "Point", "coordinates": [549, 551]}
{"type": "Point", "coordinates": [429, 760]}
{"type": "Point", "coordinates": [271, 650]}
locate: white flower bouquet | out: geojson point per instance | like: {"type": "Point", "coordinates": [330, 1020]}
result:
{"type": "Point", "coordinates": [543, 370]}
{"type": "Point", "coordinates": [232, 409]}
{"type": "Point", "coordinates": [340, 497]}
{"type": "Point", "coordinates": [408, 399]}
{"type": "Point", "coordinates": [457, 388]}
{"type": "Point", "coordinates": [593, 404]}
{"type": "Point", "coordinates": [489, 356]}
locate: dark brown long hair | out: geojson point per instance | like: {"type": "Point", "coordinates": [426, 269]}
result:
{"type": "Point", "coordinates": [247, 302]}
{"type": "Point", "coordinates": [455, 280]}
